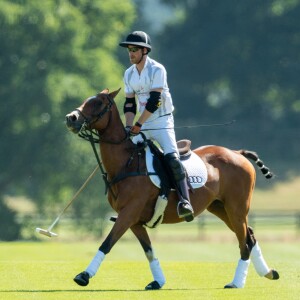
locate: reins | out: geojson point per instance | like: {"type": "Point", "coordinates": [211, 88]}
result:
{"type": "Point", "coordinates": [86, 133]}
{"type": "Point", "coordinates": [94, 137]}
{"type": "Point", "coordinates": [103, 173]}
{"type": "Point", "coordinates": [120, 176]}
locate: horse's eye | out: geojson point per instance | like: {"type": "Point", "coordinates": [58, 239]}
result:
{"type": "Point", "coordinates": [98, 104]}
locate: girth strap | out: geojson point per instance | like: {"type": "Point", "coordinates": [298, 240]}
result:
{"type": "Point", "coordinates": [122, 176]}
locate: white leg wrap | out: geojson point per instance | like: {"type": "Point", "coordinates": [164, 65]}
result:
{"type": "Point", "coordinates": [157, 272]}
{"type": "Point", "coordinates": [258, 260]}
{"type": "Point", "coordinates": [241, 272]}
{"type": "Point", "coordinates": [95, 263]}
{"type": "Point", "coordinates": [159, 210]}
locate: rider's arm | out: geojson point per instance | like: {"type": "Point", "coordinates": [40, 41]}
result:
{"type": "Point", "coordinates": [152, 105]}
{"type": "Point", "coordinates": [129, 109]}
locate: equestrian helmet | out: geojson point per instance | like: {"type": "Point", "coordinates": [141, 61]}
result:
{"type": "Point", "coordinates": [137, 38]}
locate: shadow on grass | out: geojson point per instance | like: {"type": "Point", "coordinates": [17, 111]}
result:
{"type": "Point", "coordinates": [93, 291]}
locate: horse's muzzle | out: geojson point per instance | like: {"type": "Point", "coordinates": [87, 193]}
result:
{"type": "Point", "coordinates": [72, 122]}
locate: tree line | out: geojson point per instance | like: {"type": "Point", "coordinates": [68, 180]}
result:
{"type": "Point", "coordinates": [226, 60]}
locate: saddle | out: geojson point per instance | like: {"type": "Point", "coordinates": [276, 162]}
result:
{"type": "Point", "coordinates": [163, 170]}
{"type": "Point", "coordinates": [162, 177]}
{"type": "Point", "coordinates": [184, 148]}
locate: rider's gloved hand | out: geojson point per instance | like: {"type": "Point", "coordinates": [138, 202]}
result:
{"type": "Point", "coordinates": [128, 128]}
{"type": "Point", "coordinates": [135, 129]}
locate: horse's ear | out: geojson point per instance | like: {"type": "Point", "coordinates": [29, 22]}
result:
{"type": "Point", "coordinates": [115, 93]}
{"type": "Point", "coordinates": [105, 91]}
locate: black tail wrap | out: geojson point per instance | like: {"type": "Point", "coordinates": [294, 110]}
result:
{"type": "Point", "coordinates": [253, 156]}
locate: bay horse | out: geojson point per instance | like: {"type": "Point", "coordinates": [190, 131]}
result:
{"type": "Point", "coordinates": [226, 194]}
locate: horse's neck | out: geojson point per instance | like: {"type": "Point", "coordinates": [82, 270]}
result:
{"type": "Point", "coordinates": [115, 129]}
{"type": "Point", "coordinates": [114, 155]}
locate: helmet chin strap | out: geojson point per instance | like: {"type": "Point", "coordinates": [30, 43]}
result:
{"type": "Point", "coordinates": [143, 54]}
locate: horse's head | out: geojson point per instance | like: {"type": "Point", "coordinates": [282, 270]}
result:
{"type": "Point", "coordinates": [93, 113]}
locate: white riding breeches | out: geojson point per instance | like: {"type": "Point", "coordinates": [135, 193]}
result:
{"type": "Point", "coordinates": [163, 133]}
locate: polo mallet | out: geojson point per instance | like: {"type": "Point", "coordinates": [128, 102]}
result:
{"type": "Point", "coordinates": [48, 232]}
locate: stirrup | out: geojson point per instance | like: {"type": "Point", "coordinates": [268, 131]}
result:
{"type": "Point", "coordinates": [185, 210]}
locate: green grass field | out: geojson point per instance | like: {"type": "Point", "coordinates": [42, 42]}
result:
{"type": "Point", "coordinates": [194, 269]}
{"type": "Point", "coordinates": [197, 261]}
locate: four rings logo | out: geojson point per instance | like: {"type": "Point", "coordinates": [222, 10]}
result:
{"type": "Point", "coordinates": [195, 179]}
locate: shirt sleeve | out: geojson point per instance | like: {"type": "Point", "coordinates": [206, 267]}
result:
{"type": "Point", "coordinates": [159, 78]}
{"type": "Point", "coordinates": [128, 88]}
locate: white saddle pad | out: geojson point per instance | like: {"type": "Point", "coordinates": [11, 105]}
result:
{"type": "Point", "coordinates": [194, 165]}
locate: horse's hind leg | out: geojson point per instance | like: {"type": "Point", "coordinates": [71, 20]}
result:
{"type": "Point", "coordinates": [217, 208]}
{"type": "Point", "coordinates": [258, 260]}
{"type": "Point", "coordinates": [240, 228]}
{"type": "Point", "coordinates": [158, 276]}
{"type": "Point", "coordinates": [251, 246]}
{"type": "Point", "coordinates": [238, 224]}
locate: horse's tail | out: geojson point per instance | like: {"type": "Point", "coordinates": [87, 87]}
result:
{"type": "Point", "coordinates": [253, 156]}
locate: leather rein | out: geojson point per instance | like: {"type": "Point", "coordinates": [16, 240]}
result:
{"type": "Point", "coordinates": [94, 137]}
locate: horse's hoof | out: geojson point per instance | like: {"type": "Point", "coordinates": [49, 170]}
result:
{"type": "Point", "coordinates": [113, 219]}
{"type": "Point", "coordinates": [154, 285]}
{"type": "Point", "coordinates": [273, 275]}
{"type": "Point", "coordinates": [230, 286]}
{"type": "Point", "coordinates": [82, 278]}
{"type": "Point", "coordinates": [189, 218]}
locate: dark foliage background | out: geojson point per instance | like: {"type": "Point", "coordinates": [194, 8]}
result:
{"type": "Point", "coordinates": [226, 60]}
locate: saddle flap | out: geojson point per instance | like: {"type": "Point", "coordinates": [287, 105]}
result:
{"type": "Point", "coordinates": [194, 165]}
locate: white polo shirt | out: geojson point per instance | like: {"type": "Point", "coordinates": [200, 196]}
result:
{"type": "Point", "coordinates": [153, 76]}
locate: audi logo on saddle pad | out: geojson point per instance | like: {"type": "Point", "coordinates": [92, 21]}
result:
{"type": "Point", "coordinates": [195, 179]}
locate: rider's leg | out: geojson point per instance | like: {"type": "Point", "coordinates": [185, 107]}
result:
{"type": "Point", "coordinates": [165, 137]}
{"type": "Point", "coordinates": [184, 207]}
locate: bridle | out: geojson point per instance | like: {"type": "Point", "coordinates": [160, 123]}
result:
{"type": "Point", "coordinates": [92, 135]}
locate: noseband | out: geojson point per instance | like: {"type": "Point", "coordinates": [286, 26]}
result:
{"type": "Point", "coordinates": [94, 119]}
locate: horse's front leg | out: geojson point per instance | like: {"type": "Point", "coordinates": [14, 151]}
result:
{"type": "Point", "coordinates": [124, 221]}
{"type": "Point", "coordinates": [157, 273]}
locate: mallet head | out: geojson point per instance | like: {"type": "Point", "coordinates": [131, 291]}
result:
{"type": "Point", "coordinates": [46, 232]}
